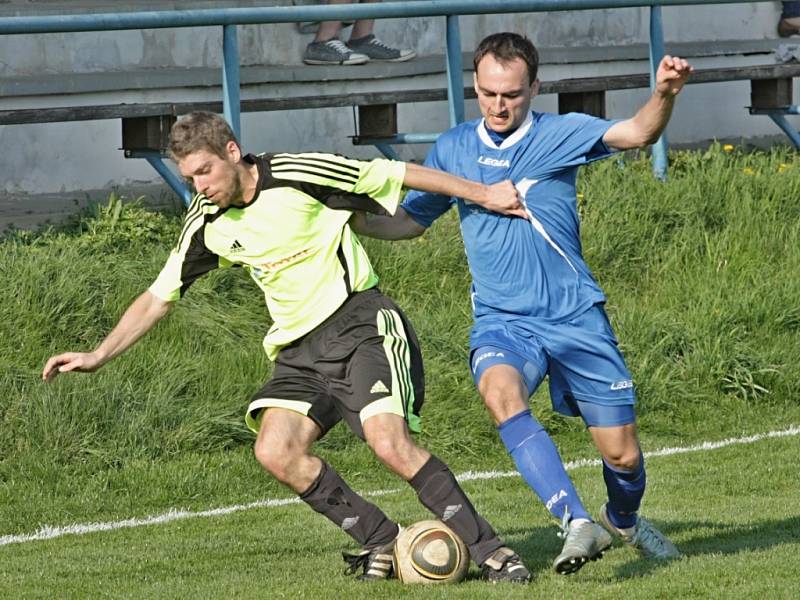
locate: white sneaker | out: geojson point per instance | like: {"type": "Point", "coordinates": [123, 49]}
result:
{"type": "Point", "coordinates": [332, 52]}
{"type": "Point", "coordinates": [584, 540]}
{"type": "Point", "coordinates": [645, 539]}
{"type": "Point", "coordinates": [376, 49]}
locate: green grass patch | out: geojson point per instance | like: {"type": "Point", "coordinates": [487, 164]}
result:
{"type": "Point", "coordinates": [702, 274]}
{"type": "Point", "coordinates": [735, 531]}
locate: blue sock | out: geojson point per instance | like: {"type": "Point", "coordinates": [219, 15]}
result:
{"type": "Point", "coordinates": [540, 465]}
{"type": "Point", "coordinates": [625, 491]}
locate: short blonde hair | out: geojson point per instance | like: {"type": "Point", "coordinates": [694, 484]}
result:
{"type": "Point", "coordinates": [197, 131]}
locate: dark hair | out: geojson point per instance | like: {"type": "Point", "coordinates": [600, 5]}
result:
{"type": "Point", "coordinates": [200, 131]}
{"type": "Point", "coordinates": [507, 46]}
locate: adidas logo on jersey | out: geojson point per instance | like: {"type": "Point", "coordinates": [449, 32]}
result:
{"type": "Point", "coordinates": [494, 162]}
{"type": "Point", "coordinates": [379, 388]}
{"type": "Point", "coordinates": [236, 247]}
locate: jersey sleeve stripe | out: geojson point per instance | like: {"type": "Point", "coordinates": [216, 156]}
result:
{"type": "Point", "coordinates": [314, 167]}
{"type": "Point", "coordinates": [321, 162]}
{"type": "Point", "coordinates": [311, 177]}
{"type": "Point", "coordinates": [195, 211]}
{"type": "Point", "coordinates": [189, 260]}
{"type": "Point", "coordinates": [330, 159]}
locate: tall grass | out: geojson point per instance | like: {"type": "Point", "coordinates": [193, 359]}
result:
{"type": "Point", "coordinates": [702, 273]}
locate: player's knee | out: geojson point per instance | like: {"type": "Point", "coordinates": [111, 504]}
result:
{"type": "Point", "coordinates": [275, 457]}
{"type": "Point", "coordinates": [624, 459]}
{"type": "Point", "coordinates": [263, 455]}
{"type": "Point", "coordinates": [399, 454]}
{"type": "Point", "coordinates": [388, 448]}
{"type": "Point", "coordinates": [503, 401]}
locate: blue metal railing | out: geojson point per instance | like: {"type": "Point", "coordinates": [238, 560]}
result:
{"type": "Point", "coordinates": [656, 54]}
{"type": "Point", "coordinates": [231, 83]}
{"type": "Point", "coordinates": [230, 18]}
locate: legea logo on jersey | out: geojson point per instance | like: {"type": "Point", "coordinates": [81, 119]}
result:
{"type": "Point", "coordinates": [483, 357]}
{"type": "Point", "coordinates": [622, 385]}
{"type": "Point", "coordinates": [494, 162]}
{"type": "Point", "coordinates": [555, 498]}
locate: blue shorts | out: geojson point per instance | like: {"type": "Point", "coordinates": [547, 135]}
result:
{"type": "Point", "coordinates": [588, 376]}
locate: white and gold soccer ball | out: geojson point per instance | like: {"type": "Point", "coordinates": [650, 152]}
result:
{"type": "Point", "coordinates": [429, 552]}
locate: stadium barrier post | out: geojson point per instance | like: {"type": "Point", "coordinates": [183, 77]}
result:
{"type": "Point", "coordinates": [660, 160]}
{"type": "Point", "coordinates": [231, 98]}
{"type": "Point", "coordinates": [780, 121]}
{"type": "Point", "coordinates": [177, 185]}
{"type": "Point", "coordinates": [455, 72]}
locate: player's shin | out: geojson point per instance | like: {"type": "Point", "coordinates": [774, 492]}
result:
{"type": "Point", "coordinates": [329, 495]}
{"type": "Point", "coordinates": [438, 490]}
{"type": "Point", "coordinates": [625, 492]}
{"type": "Point", "coordinates": [540, 465]}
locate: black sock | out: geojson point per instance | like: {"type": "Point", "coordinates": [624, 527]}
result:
{"type": "Point", "coordinates": [329, 495]}
{"type": "Point", "coordinates": [439, 492]}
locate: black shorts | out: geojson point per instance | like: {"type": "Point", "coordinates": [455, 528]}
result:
{"type": "Point", "coordinates": [362, 361]}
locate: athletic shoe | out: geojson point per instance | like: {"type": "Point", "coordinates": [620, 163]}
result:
{"type": "Point", "coordinates": [583, 541]}
{"type": "Point", "coordinates": [375, 49]}
{"type": "Point", "coordinates": [332, 52]}
{"type": "Point", "coordinates": [376, 563]}
{"type": "Point", "coordinates": [645, 539]}
{"type": "Point", "coordinates": [505, 565]}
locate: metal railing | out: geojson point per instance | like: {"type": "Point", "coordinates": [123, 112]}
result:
{"type": "Point", "coordinates": [230, 18]}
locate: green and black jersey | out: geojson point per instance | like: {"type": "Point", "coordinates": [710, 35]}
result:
{"type": "Point", "coordinates": [293, 238]}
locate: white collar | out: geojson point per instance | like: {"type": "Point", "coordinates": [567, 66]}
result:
{"type": "Point", "coordinates": [510, 140]}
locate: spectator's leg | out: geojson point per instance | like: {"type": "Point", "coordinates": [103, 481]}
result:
{"type": "Point", "coordinates": [329, 29]}
{"type": "Point", "coordinates": [363, 41]}
{"type": "Point", "coordinates": [790, 19]}
{"type": "Point", "coordinates": [363, 27]}
{"type": "Point", "coordinates": [328, 49]}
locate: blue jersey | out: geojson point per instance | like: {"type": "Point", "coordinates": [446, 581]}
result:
{"type": "Point", "coordinates": [531, 268]}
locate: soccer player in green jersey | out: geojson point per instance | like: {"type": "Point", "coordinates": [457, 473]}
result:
{"type": "Point", "coordinates": [342, 350]}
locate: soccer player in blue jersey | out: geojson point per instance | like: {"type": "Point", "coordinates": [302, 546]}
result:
{"type": "Point", "coordinates": [538, 310]}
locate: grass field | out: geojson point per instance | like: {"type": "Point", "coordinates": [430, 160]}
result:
{"type": "Point", "coordinates": [703, 279]}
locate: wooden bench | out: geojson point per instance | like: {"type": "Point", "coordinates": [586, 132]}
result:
{"type": "Point", "coordinates": [145, 126]}
{"type": "Point", "coordinates": [770, 89]}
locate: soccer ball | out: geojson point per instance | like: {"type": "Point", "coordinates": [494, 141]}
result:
{"type": "Point", "coordinates": [429, 552]}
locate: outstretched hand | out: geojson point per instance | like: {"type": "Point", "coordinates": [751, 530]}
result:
{"type": "Point", "coordinates": [504, 198]}
{"type": "Point", "coordinates": [673, 71]}
{"type": "Point", "coordinates": [82, 362]}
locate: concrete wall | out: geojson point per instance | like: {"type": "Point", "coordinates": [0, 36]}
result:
{"type": "Point", "coordinates": [64, 157]}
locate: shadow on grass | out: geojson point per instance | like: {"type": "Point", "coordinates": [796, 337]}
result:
{"type": "Point", "coordinates": [539, 546]}
{"type": "Point", "coordinates": [713, 537]}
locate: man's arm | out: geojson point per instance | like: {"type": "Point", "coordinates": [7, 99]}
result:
{"type": "Point", "coordinates": [141, 317]}
{"type": "Point", "coordinates": [500, 197]}
{"type": "Point", "coordinates": [647, 124]}
{"type": "Point", "coordinates": [397, 227]}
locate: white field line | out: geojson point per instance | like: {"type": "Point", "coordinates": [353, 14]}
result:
{"type": "Point", "coordinates": [47, 532]}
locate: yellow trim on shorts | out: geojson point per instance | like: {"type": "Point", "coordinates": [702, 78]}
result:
{"type": "Point", "coordinates": [390, 405]}
{"type": "Point", "coordinates": [254, 424]}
